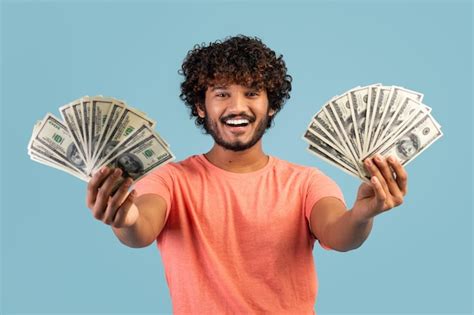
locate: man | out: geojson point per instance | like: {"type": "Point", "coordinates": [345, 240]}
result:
{"type": "Point", "coordinates": [236, 227]}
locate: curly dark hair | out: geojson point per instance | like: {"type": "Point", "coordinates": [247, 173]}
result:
{"type": "Point", "coordinates": [239, 60]}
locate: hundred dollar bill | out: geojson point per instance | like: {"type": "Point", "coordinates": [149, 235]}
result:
{"type": "Point", "coordinates": [142, 157]}
{"type": "Point", "coordinates": [414, 118]}
{"type": "Point", "coordinates": [55, 163]}
{"type": "Point", "coordinates": [397, 94]}
{"type": "Point", "coordinates": [128, 121]}
{"type": "Point", "coordinates": [339, 116]}
{"type": "Point", "coordinates": [325, 156]}
{"type": "Point", "coordinates": [70, 115]}
{"type": "Point", "coordinates": [358, 102]}
{"type": "Point", "coordinates": [402, 117]}
{"type": "Point", "coordinates": [330, 151]}
{"type": "Point", "coordinates": [135, 136]}
{"type": "Point", "coordinates": [38, 151]}
{"type": "Point", "coordinates": [54, 135]}
{"type": "Point", "coordinates": [343, 119]}
{"type": "Point", "coordinates": [320, 131]}
{"type": "Point", "coordinates": [86, 121]}
{"type": "Point", "coordinates": [113, 115]}
{"type": "Point", "coordinates": [414, 140]}
{"type": "Point", "coordinates": [322, 120]}
{"type": "Point", "coordinates": [100, 110]}
{"type": "Point", "coordinates": [370, 107]}
{"type": "Point", "coordinates": [381, 99]}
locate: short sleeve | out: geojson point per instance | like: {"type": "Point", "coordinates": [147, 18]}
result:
{"type": "Point", "coordinates": [158, 182]}
{"type": "Point", "coordinates": [320, 186]}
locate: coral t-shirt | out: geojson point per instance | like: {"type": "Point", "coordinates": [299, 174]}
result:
{"type": "Point", "coordinates": [239, 242]}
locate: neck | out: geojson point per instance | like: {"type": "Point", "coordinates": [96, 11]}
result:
{"type": "Point", "coordinates": [246, 161]}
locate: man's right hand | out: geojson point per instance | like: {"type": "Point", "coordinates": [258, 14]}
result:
{"type": "Point", "coordinates": [115, 209]}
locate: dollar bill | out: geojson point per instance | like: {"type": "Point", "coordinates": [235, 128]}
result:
{"type": "Point", "coordinates": [322, 121]}
{"type": "Point", "coordinates": [315, 141]}
{"type": "Point", "coordinates": [358, 104]}
{"type": "Point", "coordinates": [137, 158]}
{"type": "Point", "coordinates": [414, 140]}
{"type": "Point", "coordinates": [402, 117]}
{"type": "Point", "coordinates": [54, 136]}
{"type": "Point", "coordinates": [70, 115]}
{"type": "Point", "coordinates": [128, 121]}
{"type": "Point", "coordinates": [325, 156]}
{"type": "Point", "coordinates": [341, 109]}
{"type": "Point", "coordinates": [370, 108]}
{"type": "Point", "coordinates": [397, 94]}
{"type": "Point", "coordinates": [101, 108]}
{"type": "Point", "coordinates": [383, 92]}
{"type": "Point", "coordinates": [369, 120]}
{"type": "Point", "coordinates": [57, 164]}
{"type": "Point", "coordinates": [320, 131]}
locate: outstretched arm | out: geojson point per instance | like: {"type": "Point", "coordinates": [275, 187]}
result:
{"type": "Point", "coordinates": [343, 229]}
{"type": "Point", "coordinates": [136, 221]}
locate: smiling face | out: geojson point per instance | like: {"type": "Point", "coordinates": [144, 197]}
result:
{"type": "Point", "coordinates": [235, 116]}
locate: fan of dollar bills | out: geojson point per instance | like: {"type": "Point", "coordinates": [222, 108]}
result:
{"type": "Point", "coordinates": [97, 131]}
{"type": "Point", "coordinates": [369, 120]}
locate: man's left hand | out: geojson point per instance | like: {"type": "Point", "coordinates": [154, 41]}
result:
{"type": "Point", "coordinates": [387, 188]}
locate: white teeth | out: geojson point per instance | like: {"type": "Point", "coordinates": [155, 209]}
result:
{"type": "Point", "coordinates": [237, 121]}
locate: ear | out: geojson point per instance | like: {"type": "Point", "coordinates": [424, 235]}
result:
{"type": "Point", "coordinates": [200, 110]}
{"type": "Point", "coordinates": [271, 112]}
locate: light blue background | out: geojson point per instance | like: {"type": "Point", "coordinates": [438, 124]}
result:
{"type": "Point", "coordinates": [57, 259]}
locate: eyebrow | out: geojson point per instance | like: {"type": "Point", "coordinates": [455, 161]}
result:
{"type": "Point", "coordinates": [217, 87]}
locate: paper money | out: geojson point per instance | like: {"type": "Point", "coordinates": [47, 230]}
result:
{"type": "Point", "coordinates": [370, 120]}
{"type": "Point", "coordinates": [98, 131]}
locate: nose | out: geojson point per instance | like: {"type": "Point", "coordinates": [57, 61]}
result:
{"type": "Point", "coordinates": [238, 104]}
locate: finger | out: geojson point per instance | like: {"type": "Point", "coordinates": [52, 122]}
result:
{"type": "Point", "coordinates": [93, 186]}
{"type": "Point", "coordinates": [388, 176]}
{"type": "Point", "coordinates": [116, 201]}
{"type": "Point", "coordinates": [104, 193]}
{"type": "Point", "coordinates": [374, 171]}
{"type": "Point", "coordinates": [401, 174]}
{"type": "Point", "coordinates": [123, 211]}
{"type": "Point", "coordinates": [380, 192]}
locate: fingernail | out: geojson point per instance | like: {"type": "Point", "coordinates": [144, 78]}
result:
{"type": "Point", "coordinates": [117, 172]}
{"type": "Point", "coordinates": [378, 158]}
{"type": "Point", "coordinates": [104, 170]}
{"type": "Point", "coordinates": [368, 163]}
{"type": "Point", "coordinates": [391, 159]}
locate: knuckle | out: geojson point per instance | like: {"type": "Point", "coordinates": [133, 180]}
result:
{"type": "Point", "coordinates": [107, 220]}
{"type": "Point", "coordinates": [398, 200]}
{"type": "Point", "coordinates": [113, 204]}
{"type": "Point", "coordinates": [403, 176]}
{"type": "Point", "coordinates": [98, 215]}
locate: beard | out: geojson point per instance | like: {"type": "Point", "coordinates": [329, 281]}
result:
{"type": "Point", "coordinates": [211, 128]}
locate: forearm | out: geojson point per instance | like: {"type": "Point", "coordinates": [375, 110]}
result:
{"type": "Point", "coordinates": [138, 235]}
{"type": "Point", "coordinates": [347, 232]}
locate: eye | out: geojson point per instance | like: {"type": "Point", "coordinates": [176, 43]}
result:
{"type": "Point", "coordinates": [252, 94]}
{"type": "Point", "coordinates": [221, 94]}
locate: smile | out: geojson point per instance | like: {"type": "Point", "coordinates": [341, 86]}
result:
{"type": "Point", "coordinates": [237, 122]}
